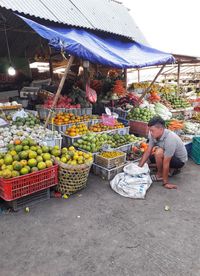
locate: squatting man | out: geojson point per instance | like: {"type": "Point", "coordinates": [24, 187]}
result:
{"type": "Point", "coordinates": [166, 150]}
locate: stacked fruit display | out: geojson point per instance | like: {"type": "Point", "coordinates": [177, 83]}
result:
{"type": "Point", "coordinates": [140, 114]}
{"type": "Point", "coordinates": [77, 130]}
{"type": "Point", "coordinates": [27, 156]}
{"type": "Point", "coordinates": [93, 142]}
{"type": "Point", "coordinates": [101, 127]}
{"type": "Point", "coordinates": [69, 118]}
{"type": "Point", "coordinates": [38, 133]}
{"type": "Point", "coordinates": [74, 157]}
{"type": "Point", "coordinates": [29, 121]}
{"type": "Point", "coordinates": [177, 101]}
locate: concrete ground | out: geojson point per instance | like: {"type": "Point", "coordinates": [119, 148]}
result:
{"type": "Point", "coordinates": [99, 233]}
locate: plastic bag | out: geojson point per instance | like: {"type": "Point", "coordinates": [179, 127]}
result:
{"type": "Point", "coordinates": [133, 169]}
{"type": "Point", "coordinates": [20, 114]}
{"type": "Point", "coordinates": [133, 183]}
{"type": "Point", "coordinates": [91, 94]}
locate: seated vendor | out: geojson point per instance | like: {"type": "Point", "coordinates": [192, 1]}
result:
{"type": "Point", "coordinates": [166, 150]}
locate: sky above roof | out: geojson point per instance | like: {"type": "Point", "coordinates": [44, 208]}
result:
{"type": "Point", "coordinates": [171, 26]}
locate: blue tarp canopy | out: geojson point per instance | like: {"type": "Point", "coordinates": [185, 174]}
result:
{"type": "Point", "coordinates": [107, 51]}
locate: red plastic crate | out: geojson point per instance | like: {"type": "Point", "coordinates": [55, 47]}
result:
{"type": "Point", "coordinates": [24, 185]}
{"type": "Point", "coordinates": [139, 128]}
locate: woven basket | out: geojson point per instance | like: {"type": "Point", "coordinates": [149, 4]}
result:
{"type": "Point", "coordinates": [72, 178]}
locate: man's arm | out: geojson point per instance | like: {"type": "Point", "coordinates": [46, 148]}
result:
{"type": "Point", "coordinates": [145, 156]}
{"type": "Point", "coordinates": [166, 167]}
{"type": "Point", "coordinates": [166, 162]}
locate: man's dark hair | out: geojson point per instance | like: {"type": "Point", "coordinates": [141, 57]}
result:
{"type": "Point", "coordinates": [156, 121]}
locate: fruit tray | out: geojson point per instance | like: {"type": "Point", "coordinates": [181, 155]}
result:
{"type": "Point", "coordinates": [11, 107]}
{"type": "Point", "coordinates": [139, 128]}
{"type": "Point", "coordinates": [29, 200]}
{"type": "Point", "coordinates": [107, 174]}
{"type": "Point", "coordinates": [62, 128]}
{"type": "Point", "coordinates": [14, 188]}
{"type": "Point", "coordinates": [110, 163]}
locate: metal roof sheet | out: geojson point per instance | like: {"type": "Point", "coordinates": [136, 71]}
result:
{"type": "Point", "coordinates": [104, 15]}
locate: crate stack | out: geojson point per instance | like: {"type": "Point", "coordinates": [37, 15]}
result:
{"type": "Point", "coordinates": [107, 168]}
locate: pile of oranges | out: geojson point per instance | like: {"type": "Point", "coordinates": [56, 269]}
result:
{"type": "Point", "coordinates": [101, 127]}
{"type": "Point", "coordinates": [77, 130]}
{"type": "Point", "coordinates": [69, 118]}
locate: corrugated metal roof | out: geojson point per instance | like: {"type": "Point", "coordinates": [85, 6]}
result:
{"type": "Point", "coordinates": [104, 15]}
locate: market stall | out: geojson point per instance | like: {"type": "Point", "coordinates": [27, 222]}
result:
{"type": "Point", "coordinates": [69, 140]}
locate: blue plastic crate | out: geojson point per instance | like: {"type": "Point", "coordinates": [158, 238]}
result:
{"type": "Point", "coordinates": [189, 148]}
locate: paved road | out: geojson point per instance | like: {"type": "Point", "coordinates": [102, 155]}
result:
{"type": "Point", "coordinates": [103, 234]}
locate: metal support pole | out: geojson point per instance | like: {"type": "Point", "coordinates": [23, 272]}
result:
{"type": "Point", "coordinates": [148, 88]}
{"type": "Point", "coordinates": [178, 78]}
{"type": "Point", "coordinates": [138, 71]}
{"type": "Point", "coordinates": [59, 89]}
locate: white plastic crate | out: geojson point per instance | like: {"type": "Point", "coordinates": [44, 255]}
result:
{"type": "Point", "coordinates": [68, 140]}
{"type": "Point", "coordinates": [75, 111]}
{"type": "Point", "coordinates": [106, 174]}
{"type": "Point", "coordinates": [53, 142]}
{"type": "Point", "coordinates": [86, 111]}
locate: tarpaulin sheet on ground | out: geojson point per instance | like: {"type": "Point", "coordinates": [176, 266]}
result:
{"type": "Point", "coordinates": [101, 50]}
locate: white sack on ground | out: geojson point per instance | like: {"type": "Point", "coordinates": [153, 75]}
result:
{"type": "Point", "coordinates": [133, 183]}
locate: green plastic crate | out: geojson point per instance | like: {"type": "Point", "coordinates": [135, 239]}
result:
{"type": "Point", "coordinates": [196, 150]}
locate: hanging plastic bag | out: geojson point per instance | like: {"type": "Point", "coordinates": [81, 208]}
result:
{"type": "Point", "coordinates": [20, 114]}
{"type": "Point", "coordinates": [91, 94]}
